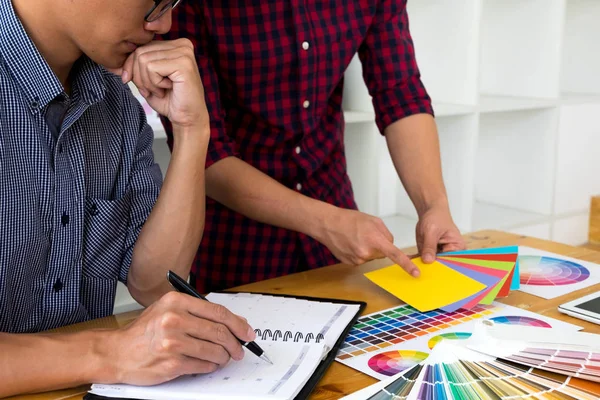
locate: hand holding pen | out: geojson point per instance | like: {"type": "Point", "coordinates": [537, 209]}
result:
{"type": "Point", "coordinates": [176, 335]}
{"type": "Point", "coordinates": [183, 287]}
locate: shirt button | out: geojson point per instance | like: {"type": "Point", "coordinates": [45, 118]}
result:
{"type": "Point", "coordinates": [58, 285]}
{"type": "Point", "coordinates": [35, 103]}
{"type": "Point", "coordinates": [298, 186]}
{"type": "Point", "coordinates": [94, 210]}
{"type": "Point", "coordinates": [305, 45]}
{"type": "Point", "coordinates": [298, 150]}
{"type": "Point", "coordinates": [306, 104]}
{"type": "Point", "coordinates": [64, 220]}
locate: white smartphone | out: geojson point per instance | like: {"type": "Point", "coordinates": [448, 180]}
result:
{"type": "Point", "coordinates": [586, 308]}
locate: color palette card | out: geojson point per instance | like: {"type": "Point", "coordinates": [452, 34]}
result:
{"type": "Point", "coordinates": [576, 354]}
{"type": "Point", "coordinates": [388, 342]}
{"type": "Point", "coordinates": [456, 372]}
{"type": "Point", "coordinates": [550, 275]}
{"type": "Point", "coordinates": [497, 267]}
{"type": "Point", "coordinates": [448, 285]}
{"type": "Point", "coordinates": [459, 279]}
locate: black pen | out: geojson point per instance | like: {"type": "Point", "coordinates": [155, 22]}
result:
{"type": "Point", "coordinates": [182, 286]}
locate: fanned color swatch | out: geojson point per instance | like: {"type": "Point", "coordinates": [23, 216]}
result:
{"type": "Point", "coordinates": [435, 278]}
{"type": "Point", "coordinates": [461, 279]}
{"type": "Point", "coordinates": [455, 372]}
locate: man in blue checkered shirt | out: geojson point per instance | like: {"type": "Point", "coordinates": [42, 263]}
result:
{"type": "Point", "coordinates": [79, 197]}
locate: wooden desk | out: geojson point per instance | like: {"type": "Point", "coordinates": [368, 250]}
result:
{"type": "Point", "coordinates": [345, 282]}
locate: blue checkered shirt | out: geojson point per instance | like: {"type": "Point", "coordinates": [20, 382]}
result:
{"type": "Point", "coordinates": [72, 203]}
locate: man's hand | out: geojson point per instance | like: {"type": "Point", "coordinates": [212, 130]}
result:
{"type": "Point", "coordinates": [166, 75]}
{"type": "Point", "coordinates": [177, 335]}
{"type": "Point", "coordinates": [436, 231]}
{"type": "Point", "coordinates": [355, 238]}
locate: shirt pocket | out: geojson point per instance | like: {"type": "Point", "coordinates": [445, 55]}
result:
{"type": "Point", "coordinates": [105, 233]}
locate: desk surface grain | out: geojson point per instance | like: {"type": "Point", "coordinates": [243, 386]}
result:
{"type": "Point", "coordinates": [347, 282]}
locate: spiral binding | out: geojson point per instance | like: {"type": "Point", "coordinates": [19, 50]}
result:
{"type": "Point", "coordinates": [267, 334]}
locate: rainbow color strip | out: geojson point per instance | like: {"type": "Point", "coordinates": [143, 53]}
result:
{"type": "Point", "coordinates": [390, 363]}
{"type": "Point", "coordinates": [548, 271]}
{"type": "Point", "coordinates": [447, 336]}
{"type": "Point", "coordinates": [520, 320]}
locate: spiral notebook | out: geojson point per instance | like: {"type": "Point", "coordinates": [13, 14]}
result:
{"type": "Point", "coordinates": [301, 335]}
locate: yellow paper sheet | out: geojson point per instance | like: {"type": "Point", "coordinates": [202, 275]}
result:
{"type": "Point", "coordinates": [437, 286]}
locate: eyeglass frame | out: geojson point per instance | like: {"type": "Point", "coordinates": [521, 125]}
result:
{"type": "Point", "coordinates": [174, 3]}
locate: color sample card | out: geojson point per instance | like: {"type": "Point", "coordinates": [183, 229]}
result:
{"type": "Point", "coordinates": [388, 342]}
{"type": "Point", "coordinates": [448, 285]}
{"type": "Point", "coordinates": [459, 279]}
{"type": "Point", "coordinates": [550, 275]}
{"type": "Point", "coordinates": [585, 365]}
{"type": "Point", "coordinates": [576, 354]}
{"type": "Point", "coordinates": [498, 263]}
{"type": "Point", "coordinates": [455, 372]}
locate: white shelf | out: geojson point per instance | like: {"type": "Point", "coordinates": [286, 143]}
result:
{"type": "Point", "coordinates": [353, 117]}
{"type": "Point", "coordinates": [520, 47]}
{"type": "Point", "coordinates": [580, 58]}
{"type": "Point", "coordinates": [491, 216]}
{"type": "Point", "coordinates": [515, 162]}
{"type": "Point", "coordinates": [447, 52]}
{"type": "Point", "coordinates": [570, 98]}
{"type": "Point", "coordinates": [403, 229]}
{"type": "Point", "coordinates": [156, 125]}
{"type": "Point", "coordinates": [451, 110]}
{"type": "Point", "coordinates": [124, 302]}
{"type": "Point", "coordinates": [578, 155]}
{"type": "Point", "coordinates": [491, 103]}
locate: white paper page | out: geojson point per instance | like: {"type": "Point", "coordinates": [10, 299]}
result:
{"type": "Point", "coordinates": [251, 378]}
{"type": "Point", "coordinates": [274, 316]}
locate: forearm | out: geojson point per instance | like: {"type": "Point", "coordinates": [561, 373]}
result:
{"type": "Point", "coordinates": [172, 233]}
{"type": "Point", "coordinates": [414, 146]}
{"type": "Point", "coordinates": [245, 189]}
{"type": "Point", "coordinates": [34, 363]}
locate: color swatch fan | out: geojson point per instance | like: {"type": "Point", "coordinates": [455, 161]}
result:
{"type": "Point", "coordinates": [460, 279]}
{"type": "Point", "coordinates": [456, 372]}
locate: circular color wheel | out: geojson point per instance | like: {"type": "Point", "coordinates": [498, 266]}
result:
{"type": "Point", "coordinates": [392, 362]}
{"type": "Point", "coordinates": [449, 336]}
{"type": "Point", "coordinates": [548, 271]}
{"type": "Point", "coordinates": [520, 320]}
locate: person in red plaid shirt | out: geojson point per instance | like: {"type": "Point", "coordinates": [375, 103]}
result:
{"type": "Point", "coordinates": [280, 200]}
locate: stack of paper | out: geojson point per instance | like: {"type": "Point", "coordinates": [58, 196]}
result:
{"type": "Point", "coordinates": [460, 279]}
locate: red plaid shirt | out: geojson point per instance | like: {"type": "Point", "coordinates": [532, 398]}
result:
{"type": "Point", "coordinates": [273, 77]}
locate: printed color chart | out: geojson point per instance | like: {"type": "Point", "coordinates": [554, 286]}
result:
{"type": "Point", "coordinates": [393, 362]}
{"type": "Point", "coordinates": [447, 336]}
{"type": "Point", "coordinates": [580, 364]}
{"type": "Point", "coordinates": [548, 271]}
{"type": "Point", "coordinates": [550, 275]}
{"type": "Point", "coordinates": [385, 343]}
{"type": "Point", "coordinates": [397, 325]}
{"type": "Point", "coordinates": [519, 320]}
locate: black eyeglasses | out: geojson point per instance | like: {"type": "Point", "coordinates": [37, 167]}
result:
{"type": "Point", "coordinates": [159, 9]}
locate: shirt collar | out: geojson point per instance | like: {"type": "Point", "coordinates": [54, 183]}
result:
{"type": "Point", "coordinates": [32, 73]}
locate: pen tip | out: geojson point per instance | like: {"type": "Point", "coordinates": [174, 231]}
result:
{"type": "Point", "coordinates": [265, 358]}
